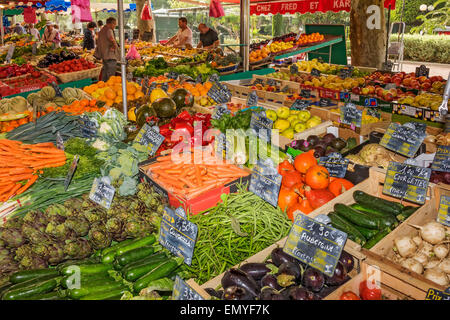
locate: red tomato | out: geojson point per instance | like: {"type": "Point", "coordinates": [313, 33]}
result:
{"type": "Point", "coordinates": [348, 295]}
{"type": "Point", "coordinates": [369, 291]}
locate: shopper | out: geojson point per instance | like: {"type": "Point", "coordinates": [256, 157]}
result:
{"type": "Point", "coordinates": [208, 37]}
{"type": "Point", "coordinates": [57, 39]}
{"type": "Point", "coordinates": [183, 37]}
{"type": "Point", "coordinates": [19, 29]}
{"type": "Point", "coordinates": [34, 32]}
{"type": "Point", "coordinates": [89, 36]}
{"type": "Point", "coordinates": [107, 49]}
{"type": "Point", "coordinates": [49, 34]}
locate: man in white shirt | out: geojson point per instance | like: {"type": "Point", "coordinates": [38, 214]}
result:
{"type": "Point", "coordinates": [183, 38]}
{"type": "Point", "coordinates": [34, 32]}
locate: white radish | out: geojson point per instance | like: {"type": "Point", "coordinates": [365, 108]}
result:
{"type": "Point", "coordinates": [421, 257]}
{"type": "Point", "coordinates": [440, 250]}
{"type": "Point", "coordinates": [432, 232]}
{"type": "Point", "coordinates": [426, 249]}
{"type": "Point", "coordinates": [432, 264]}
{"type": "Point", "coordinates": [406, 246]}
{"type": "Point", "coordinates": [445, 265]}
{"type": "Point", "coordinates": [417, 240]}
{"type": "Point", "coordinates": [413, 265]}
{"type": "Point", "coordinates": [437, 275]}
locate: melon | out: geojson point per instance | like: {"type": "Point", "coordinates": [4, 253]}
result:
{"type": "Point", "coordinates": [165, 108]}
{"type": "Point", "coordinates": [48, 93]}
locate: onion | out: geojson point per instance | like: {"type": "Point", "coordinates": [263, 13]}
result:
{"type": "Point", "coordinates": [441, 251]}
{"type": "Point", "coordinates": [413, 265]}
{"type": "Point", "coordinates": [421, 257]}
{"type": "Point", "coordinates": [436, 275]}
{"type": "Point", "coordinates": [405, 246]}
{"type": "Point", "coordinates": [432, 264]}
{"type": "Point", "coordinates": [432, 232]}
{"type": "Point", "coordinates": [417, 240]}
{"type": "Point", "coordinates": [445, 265]}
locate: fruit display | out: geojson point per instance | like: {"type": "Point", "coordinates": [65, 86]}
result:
{"type": "Point", "coordinates": [14, 70]}
{"type": "Point", "coordinates": [423, 100]}
{"type": "Point", "coordinates": [324, 145]}
{"type": "Point", "coordinates": [278, 46]}
{"type": "Point", "coordinates": [225, 61]}
{"type": "Point", "coordinates": [259, 54]}
{"type": "Point", "coordinates": [47, 97]}
{"type": "Point", "coordinates": [13, 113]}
{"type": "Point", "coordinates": [308, 65]}
{"type": "Point", "coordinates": [73, 65]}
{"type": "Point", "coordinates": [372, 155]}
{"type": "Point", "coordinates": [306, 39]}
{"type": "Point", "coordinates": [26, 83]}
{"type": "Point", "coordinates": [54, 58]}
{"type": "Point", "coordinates": [289, 122]}
{"type": "Point", "coordinates": [434, 84]}
{"type": "Point", "coordinates": [366, 117]}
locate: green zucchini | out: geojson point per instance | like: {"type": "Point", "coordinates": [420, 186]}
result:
{"type": "Point", "coordinates": [343, 225]}
{"type": "Point", "coordinates": [138, 243]}
{"type": "Point", "coordinates": [406, 213]}
{"type": "Point", "coordinates": [24, 275]}
{"type": "Point", "coordinates": [68, 281]}
{"type": "Point", "coordinates": [366, 232]}
{"type": "Point", "coordinates": [108, 254]}
{"type": "Point", "coordinates": [134, 273]}
{"type": "Point", "coordinates": [32, 282]}
{"type": "Point", "coordinates": [135, 255]}
{"type": "Point", "coordinates": [114, 294]}
{"type": "Point", "coordinates": [357, 217]}
{"type": "Point", "coordinates": [362, 208]}
{"type": "Point", "coordinates": [383, 205]}
{"type": "Point", "coordinates": [53, 295]}
{"type": "Point", "coordinates": [86, 269]}
{"type": "Point", "coordinates": [144, 260]}
{"type": "Point", "coordinates": [91, 260]}
{"type": "Point", "coordinates": [376, 238]}
{"type": "Point", "coordinates": [160, 271]}
{"type": "Point", "coordinates": [94, 287]}
{"type": "Point", "coordinates": [40, 288]}
{"type": "Point", "coordinates": [388, 220]}
{"type": "Point", "coordinates": [5, 287]}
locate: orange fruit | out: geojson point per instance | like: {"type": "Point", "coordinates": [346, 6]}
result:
{"type": "Point", "coordinates": [110, 94]}
{"type": "Point", "coordinates": [101, 84]}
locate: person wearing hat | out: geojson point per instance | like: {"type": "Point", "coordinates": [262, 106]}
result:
{"type": "Point", "coordinates": [49, 34]}
{"type": "Point", "coordinates": [34, 32]}
{"type": "Point", "coordinates": [19, 29]}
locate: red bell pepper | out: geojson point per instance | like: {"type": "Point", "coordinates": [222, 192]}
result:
{"type": "Point", "coordinates": [369, 290]}
{"type": "Point", "coordinates": [349, 296]}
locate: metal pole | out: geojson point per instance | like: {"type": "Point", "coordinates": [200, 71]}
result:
{"type": "Point", "coordinates": [245, 33]}
{"type": "Point", "coordinates": [123, 62]}
{"type": "Point", "coordinates": [1, 26]}
{"type": "Point", "coordinates": [388, 33]}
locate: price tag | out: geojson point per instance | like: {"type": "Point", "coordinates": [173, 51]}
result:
{"type": "Point", "coordinates": [259, 81]}
{"type": "Point", "coordinates": [315, 244]}
{"type": "Point", "coordinates": [371, 102]}
{"type": "Point", "coordinates": [252, 99]}
{"type": "Point", "coordinates": [57, 89]}
{"type": "Point", "coordinates": [88, 128]}
{"type": "Point", "coordinates": [315, 72]}
{"type": "Point", "coordinates": [180, 211]}
{"type": "Point", "coordinates": [387, 66]}
{"type": "Point", "coordinates": [102, 192]}
{"type": "Point", "coordinates": [271, 82]}
{"type": "Point", "coordinates": [298, 36]}
{"type": "Point", "coordinates": [262, 126]}
{"type": "Point", "coordinates": [219, 111]}
{"type": "Point", "coordinates": [34, 48]}
{"type": "Point", "coordinates": [305, 93]}
{"type": "Point", "coordinates": [214, 77]}
{"type": "Point", "coordinates": [300, 104]}
{"type": "Point", "coordinates": [172, 75]}
{"type": "Point", "coordinates": [269, 43]}
{"type": "Point", "coordinates": [407, 182]}
{"type": "Point", "coordinates": [324, 102]}
{"type": "Point", "coordinates": [220, 146]}
{"type": "Point", "coordinates": [59, 141]}
{"type": "Point", "coordinates": [265, 181]}
{"type": "Point", "coordinates": [335, 164]}
{"type": "Point", "coordinates": [346, 72]}
{"type": "Point", "coordinates": [150, 88]}
{"type": "Point", "coordinates": [183, 291]}
{"type": "Point", "coordinates": [165, 86]}
{"type": "Point", "coordinates": [147, 136]}
{"type": "Point", "coordinates": [293, 69]}
{"type": "Point", "coordinates": [219, 93]}
{"type": "Point", "coordinates": [443, 213]}
{"type": "Point", "coordinates": [178, 235]}
{"type": "Point", "coordinates": [441, 160]}
{"type": "Point", "coordinates": [351, 115]}
{"type": "Point", "coordinates": [434, 294]}
{"type": "Point", "coordinates": [72, 169]}
{"type": "Point", "coordinates": [422, 71]}
{"type": "Point", "coordinates": [10, 53]}
{"type": "Point", "coordinates": [403, 139]}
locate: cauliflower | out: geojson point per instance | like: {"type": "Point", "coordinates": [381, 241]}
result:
{"type": "Point", "coordinates": [105, 128]}
{"type": "Point", "coordinates": [100, 145]}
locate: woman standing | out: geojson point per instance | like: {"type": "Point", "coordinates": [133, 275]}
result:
{"type": "Point", "coordinates": [89, 36]}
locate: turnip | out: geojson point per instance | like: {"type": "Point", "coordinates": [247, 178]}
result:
{"type": "Point", "coordinates": [445, 265]}
{"type": "Point", "coordinates": [432, 264]}
{"type": "Point", "coordinates": [406, 246]}
{"type": "Point", "coordinates": [427, 249]}
{"type": "Point", "coordinates": [417, 240]}
{"type": "Point", "coordinates": [432, 232]}
{"type": "Point", "coordinates": [436, 275]}
{"type": "Point", "coordinates": [421, 257]}
{"type": "Point", "coordinates": [440, 250]}
{"type": "Point", "coordinates": [413, 265]}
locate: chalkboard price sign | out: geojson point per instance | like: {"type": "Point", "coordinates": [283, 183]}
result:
{"type": "Point", "coordinates": [305, 93]}
{"type": "Point", "coordinates": [199, 79]}
{"type": "Point", "coordinates": [404, 139]}
{"type": "Point", "coordinates": [259, 81]}
{"type": "Point", "coordinates": [102, 192]}
{"type": "Point", "coordinates": [219, 93]}
{"type": "Point", "coordinates": [147, 136]}
{"type": "Point", "coordinates": [178, 235]}
{"type": "Point", "coordinates": [315, 72]}
{"type": "Point", "coordinates": [34, 48]}
{"type": "Point", "coordinates": [407, 182]}
{"type": "Point", "coordinates": [300, 104]}
{"type": "Point", "coordinates": [219, 111]}
{"type": "Point", "coordinates": [70, 173]}
{"type": "Point", "coordinates": [265, 181]}
{"type": "Point", "coordinates": [441, 160]}
{"type": "Point", "coordinates": [351, 115]}
{"type": "Point", "coordinates": [434, 294]}
{"type": "Point", "coordinates": [315, 244]}
{"type": "Point", "coordinates": [183, 291]}
{"type": "Point", "coordinates": [335, 164]}
{"type": "Point", "coordinates": [262, 126]}
{"type": "Point", "coordinates": [165, 86]}
{"type": "Point", "coordinates": [252, 99]}
{"type": "Point", "coordinates": [220, 146]}
{"type": "Point", "coordinates": [346, 72]}
{"type": "Point", "coordinates": [444, 211]}
{"type": "Point", "coordinates": [214, 77]}
{"type": "Point", "coordinates": [422, 71]}
{"type": "Point", "coordinates": [10, 53]}
{"type": "Point", "coordinates": [57, 89]}
{"type": "Point", "coordinates": [172, 75]}
{"type": "Point", "coordinates": [293, 69]}
{"type": "Point", "coordinates": [324, 102]}
{"type": "Point", "coordinates": [88, 127]}
{"type": "Point", "coordinates": [271, 82]}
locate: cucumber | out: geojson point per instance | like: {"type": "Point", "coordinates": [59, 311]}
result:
{"type": "Point", "coordinates": [86, 269]}
{"type": "Point", "coordinates": [24, 275]}
{"type": "Point", "coordinates": [21, 293]}
{"type": "Point", "coordinates": [357, 217]}
{"type": "Point", "coordinates": [383, 205]}
{"type": "Point", "coordinates": [376, 238]}
{"type": "Point", "coordinates": [160, 271]}
{"type": "Point", "coordinates": [68, 281]}
{"type": "Point", "coordinates": [362, 208]}
{"type": "Point", "coordinates": [343, 225]}
{"type": "Point", "coordinates": [134, 255]}
{"type": "Point", "coordinates": [131, 274]}
{"type": "Point", "coordinates": [94, 287]}
{"type": "Point", "coordinates": [138, 243]}
{"type": "Point", "coordinates": [406, 212]}
{"type": "Point", "coordinates": [114, 294]}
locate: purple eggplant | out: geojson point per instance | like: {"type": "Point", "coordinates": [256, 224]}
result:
{"type": "Point", "coordinates": [237, 293]}
{"type": "Point", "coordinates": [289, 273]}
{"type": "Point", "coordinates": [347, 261]}
{"type": "Point", "coordinates": [325, 291]}
{"type": "Point", "coordinates": [298, 293]}
{"type": "Point", "coordinates": [255, 270]}
{"type": "Point", "coordinates": [236, 277]}
{"type": "Point", "coordinates": [313, 279]}
{"type": "Point", "coordinates": [279, 256]}
{"type": "Point", "coordinates": [339, 276]}
{"type": "Point", "coordinates": [270, 280]}
{"type": "Point", "coordinates": [213, 293]}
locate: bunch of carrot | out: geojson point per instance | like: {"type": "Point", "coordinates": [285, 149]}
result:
{"type": "Point", "coordinates": [20, 163]}
{"type": "Point", "coordinates": [189, 180]}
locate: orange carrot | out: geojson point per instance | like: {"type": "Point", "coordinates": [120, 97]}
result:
{"type": "Point", "coordinates": [27, 185]}
{"type": "Point", "coordinates": [13, 191]}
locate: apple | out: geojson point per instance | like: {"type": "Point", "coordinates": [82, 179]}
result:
{"type": "Point", "coordinates": [388, 96]}
{"type": "Point", "coordinates": [379, 92]}
{"type": "Point", "coordinates": [393, 91]}
{"type": "Point", "coordinates": [356, 90]}
{"type": "Point", "coordinates": [371, 89]}
{"type": "Point", "coordinates": [425, 86]}
{"type": "Point", "coordinates": [422, 79]}
{"type": "Point", "coordinates": [365, 91]}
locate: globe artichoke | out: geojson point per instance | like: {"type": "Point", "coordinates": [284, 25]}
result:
{"type": "Point", "coordinates": [99, 238]}
{"type": "Point", "coordinates": [12, 237]}
{"type": "Point", "coordinates": [78, 224]}
{"type": "Point", "coordinates": [77, 249]}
